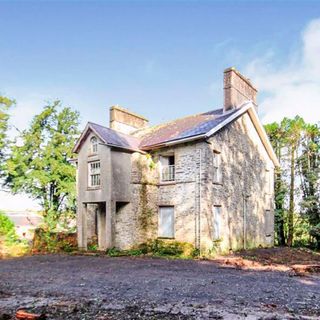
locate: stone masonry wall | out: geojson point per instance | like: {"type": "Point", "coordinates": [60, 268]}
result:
{"type": "Point", "coordinates": [245, 195]}
{"type": "Point", "coordinates": [246, 192]}
{"type": "Point", "coordinates": [245, 169]}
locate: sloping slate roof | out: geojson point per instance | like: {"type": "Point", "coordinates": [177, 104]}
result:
{"type": "Point", "coordinates": [144, 139]}
{"type": "Point", "coordinates": [182, 128]}
{"type": "Point", "coordinates": [115, 138]}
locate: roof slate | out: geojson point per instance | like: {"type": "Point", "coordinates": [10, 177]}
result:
{"type": "Point", "coordinates": [183, 128]}
{"type": "Point", "coordinates": [144, 139]}
{"type": "Point", "coordinates": [115, 138]}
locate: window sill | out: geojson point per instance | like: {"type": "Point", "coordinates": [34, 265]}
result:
{"type": "Point", "coordinates": [93, 188]}
{"type": "Point", "coordinates": [217, 183]}
{"type": "Point", "coordinates": [166, 183]}
{"type": "Point", "coordinates": [166, 238]}
{"type": "Point", "coordinates": [91, 155]}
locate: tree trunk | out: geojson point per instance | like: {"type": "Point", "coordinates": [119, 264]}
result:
{"type": "Point", "coordinates": [291, 201]}
{"type": "Point", "coordinates": [279, 204]}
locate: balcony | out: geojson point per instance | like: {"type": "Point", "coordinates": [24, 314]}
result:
{"type": "Point", "coordinates": [168, 173]}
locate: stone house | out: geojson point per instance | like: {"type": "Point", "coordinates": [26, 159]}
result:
{"type": "Point", "coordinates": [206, 179]}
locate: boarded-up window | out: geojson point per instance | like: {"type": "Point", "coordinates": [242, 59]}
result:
{"type": "Point", "coordinates": [166, 222]}
{"type": "Point", "coordinates": [217, 174]}
{"type": "Point", "coordinates": [269, 217]}
{"type": "Point", "coordinates": [216, 222]}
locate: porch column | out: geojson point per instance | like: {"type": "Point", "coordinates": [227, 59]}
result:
{"type": "Point", "coordinates": [108, 215]}
{"type": "Point", "coordinates": [101, 214]}
{"type": "Point", "coordinates": [82, 226]}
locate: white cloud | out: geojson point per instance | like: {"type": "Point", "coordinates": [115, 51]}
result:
{"type": "Point", "coordinates": [294, 88]}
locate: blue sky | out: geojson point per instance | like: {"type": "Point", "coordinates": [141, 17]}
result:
{"type": "Point", "coordinates": [161, 59]}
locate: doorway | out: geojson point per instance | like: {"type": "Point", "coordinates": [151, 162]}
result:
{"type": "Point", "coordinates": [93, 233]}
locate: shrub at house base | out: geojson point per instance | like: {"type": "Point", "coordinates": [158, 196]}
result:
{"type": "Point", "coordinates": [159, 248]}
{"type": "Point", "coordinates": [52, 242]}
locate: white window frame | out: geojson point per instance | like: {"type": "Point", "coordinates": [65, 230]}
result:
{"type": "Point", "coordinates": [162, 233]}
{"type": "Point", "coordinates": [94, 174]}
{"type": "Point", "coordinates": [216, 222]}
{"type": "Point", "coordinates": [167, 172]}
{"type": "Point", "coordinates": [216, 172]}
{"type": "Point", "coordinates": [94, 144]}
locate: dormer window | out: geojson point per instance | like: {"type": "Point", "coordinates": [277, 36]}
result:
{"type": "Point", "coordinates": [94, 145]}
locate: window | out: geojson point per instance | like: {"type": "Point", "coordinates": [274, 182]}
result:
{"type": "Point", "coordinates": [94, 174]}
{"type": "Point", "coordinates": [120, 205]}
{"type": "Point", "coordinates": [269, 181]}
{"type": "Point", "coordinates": [166, 222]}
{"type": "Point", "coordinates": [216, 223]}
{"type": "Point", "coordinates": [217, 175]}
{"type": "Point", "coordinates": [94, 145]}
{"type": "Point", "coordinates": [167, 168]}
{"type": "Point", "coordinates": [269, 220]}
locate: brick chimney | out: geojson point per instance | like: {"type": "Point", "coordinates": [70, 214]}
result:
{"type": "Point", "coordinates": [237, 90]}
{"type": "Point", "coordinates": [125, 121]}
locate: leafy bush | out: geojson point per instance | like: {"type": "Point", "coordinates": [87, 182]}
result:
{"type": "Point", "coordinates": [7, 229]}
{"type": "Point", "coordinates": [92, 247]}
{"type": "Point", "coordinates": [10, 244]}
{"type": "Point", "coordinates": [159, 248]}
{"type": "Point", "coordinates": [315, 233]}
{"type": "Point", "coordinates": [45, 241]}
{"type": "Point", "coordinates": [169, 248]}
{"type": "Point", "coordinates": [114, 252]}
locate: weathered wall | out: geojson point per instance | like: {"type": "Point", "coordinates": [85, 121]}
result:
{"type": "Point", "coordinates": [244, 177]}
{"type": "Point", "coordinates": [121, 172]}
{"type": "Point", "coordinates": [85, 156]}
{"type": "Point", "coordinates": [135, 181]}
{"type": "Point", "coordinates": [137, 221]}
{"type": "Point", "coordinates": [86, 196]}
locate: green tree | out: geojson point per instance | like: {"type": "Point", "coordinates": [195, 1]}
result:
{"type": "Point", "coordinates": [294, 129]}
{"type": "Point", "coordinates": [309, 165]}
{"type": "Point", "coordinates": [277, 135]}
{"type": "Point", "coordinates": [297, 185]}
{"type": "Point", "coordinates": [39, 164]}
{"type": "Point", "coordinates": [5, 104]}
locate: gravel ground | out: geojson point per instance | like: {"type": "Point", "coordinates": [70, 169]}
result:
{"type": "Point", "coordinates": [85, 287]}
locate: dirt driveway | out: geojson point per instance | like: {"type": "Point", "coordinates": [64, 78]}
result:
{"type": "Point", "coordinates": [82, 287]}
